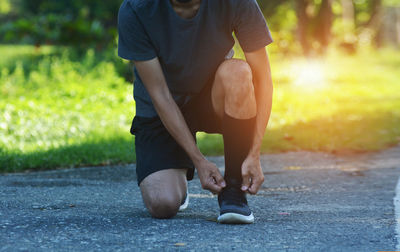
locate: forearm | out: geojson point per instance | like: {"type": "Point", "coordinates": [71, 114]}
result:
{"type": "Point", "coordinates": [263, 89]}
{"type": "Point", "coordinates": [169, 113]}
{"type": "Point", "coordinates": [174, 122]}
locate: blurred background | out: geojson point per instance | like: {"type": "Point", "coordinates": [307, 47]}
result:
{"type": "Point", "coordinates": [66, 98]}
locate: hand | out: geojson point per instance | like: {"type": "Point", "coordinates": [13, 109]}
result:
{"type": "Point", "coordinates": [252, 174]}
{"type": "Point", "coordinates": [210, 177]}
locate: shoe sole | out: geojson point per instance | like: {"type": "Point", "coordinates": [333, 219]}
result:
{"type": "Point", "coordinates": [185, 204]}
{"type": "Point", "coordinates": [235, 218]}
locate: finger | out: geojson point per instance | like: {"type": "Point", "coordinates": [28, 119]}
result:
{"type": "Point", "coordinates": [255, 185]}
{"type": "Point", "coordinates": [219, 180]}
{"type": "Point", "coordinates": [208, 188]}
{"type": "Point", "coordinates": [212, 185]}
{"type": "Point", "coordinates": [245, 181]}
{"type": "Point", "coordinates": [214, 188]}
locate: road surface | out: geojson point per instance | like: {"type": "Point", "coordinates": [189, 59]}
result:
{"type": "Point", "coordinates": [309, 202]}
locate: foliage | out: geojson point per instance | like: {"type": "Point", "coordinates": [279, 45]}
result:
{"type": "Point", "coordinates": [61, 112]}
{"type": "Point", "coordinates": [346, 24]}
{"type": "Point", "coordinates": [5, 6]}
{"type": "Point", "coordinates": [307, 26]}
{"type": "Point", "coordinates": [82, 24]}
{"type": "Point", "coordinates": [60, 109]}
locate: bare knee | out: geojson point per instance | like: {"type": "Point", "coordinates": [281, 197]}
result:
{"type": "Point", "coordinates": [236, 78]}
{"type": "Point", "coordinates": [163, 191]}
{"type": "Point", "coordinates": [163, 208]}
{"type": "Point", "coordinates": [234, 70]}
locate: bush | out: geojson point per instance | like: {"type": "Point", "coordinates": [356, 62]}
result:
{"type": "Point", "coordinates": [82, 24]}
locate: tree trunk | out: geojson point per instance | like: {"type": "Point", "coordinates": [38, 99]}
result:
{"type": "Point", "coordinates": [376, 14]}
{"type": "Point", "coordinates": [324, 21]}
{"type": "Point", "coordinates": [349, 27]}
{"type": "Point", "coordinates": [348, 12]}
{"type": "Point", "coordinates": [375, 22]}
{"type": "Point", "coordinates": [303, 25]}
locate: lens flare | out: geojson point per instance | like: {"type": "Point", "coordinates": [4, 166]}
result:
{"type": "Point", "coordinates": [309, 75]}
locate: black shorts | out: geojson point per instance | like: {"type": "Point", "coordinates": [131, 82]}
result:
{"type": "Point", "coordinates": [157, 150]}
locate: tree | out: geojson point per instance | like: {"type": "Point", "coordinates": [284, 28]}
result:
{"type": "Point", "coordinates": [323, 24]}
{"type": "Point", "coordinates": [348, 12]}
{"type": "Point", "coordinates": [303, 25]}
{"type": "Point", "coordinates": [314, 25]}
{"type": "Point", "coordinates": [81, 23]}
{"type": "Point", "coordinates": [373, 25]}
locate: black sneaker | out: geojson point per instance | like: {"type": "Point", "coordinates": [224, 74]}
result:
{"type": "Point", "coordinates": [233, 207]}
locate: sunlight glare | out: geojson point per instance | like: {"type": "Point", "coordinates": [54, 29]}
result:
{"type": "Point", "coordinates": [308, 74]}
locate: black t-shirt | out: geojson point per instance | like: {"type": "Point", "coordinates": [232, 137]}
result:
{"type": "Point", "coordinates": [189, 50]}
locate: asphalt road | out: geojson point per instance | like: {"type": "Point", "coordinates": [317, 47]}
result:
{"type": "Point", "coordinates": [309, 202]}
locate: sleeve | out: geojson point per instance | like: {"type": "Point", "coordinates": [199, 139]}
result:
{"type": "Point", "coordinates": [250, 26]}
{"type": "Point", "coordinates": [133, 41]}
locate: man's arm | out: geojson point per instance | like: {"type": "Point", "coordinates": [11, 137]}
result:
{"type": "Point", "coordinates": [252, 173]}
{"type": "Point", "coordinates": [153, 78]}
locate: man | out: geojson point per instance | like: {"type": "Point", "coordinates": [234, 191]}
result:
{"type": "Point", "coordinates": [187, 82]}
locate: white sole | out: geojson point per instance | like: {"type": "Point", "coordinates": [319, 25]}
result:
{"type": "Point", "coordinates": [185, 204]}
{"type": "Point", "coordinates": [234, 218]}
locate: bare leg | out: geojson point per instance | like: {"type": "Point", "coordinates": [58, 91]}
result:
{"type": "Point", "coordinates": [163, 192]}
{"type": "Point", "coordinates": [234, 101]}
{"type": "Point", "coordinates": [233, 90]}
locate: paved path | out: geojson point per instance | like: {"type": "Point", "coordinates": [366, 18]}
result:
{"type": "Point", "coordinates": [309, 202]}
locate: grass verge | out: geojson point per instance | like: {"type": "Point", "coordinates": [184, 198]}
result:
{"type": "Point", "coordinates": [61, 110]}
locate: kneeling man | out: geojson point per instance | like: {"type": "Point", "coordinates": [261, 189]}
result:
{"type": "Point", "coordinates": [186, 81]}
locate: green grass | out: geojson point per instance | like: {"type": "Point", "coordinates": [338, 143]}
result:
{"type": "Point", "coordinates": [59, 109]}
{"type": "Point", "coordinates": [357, 108]}
{"type": "Point", "coordinates": [64, 113]}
